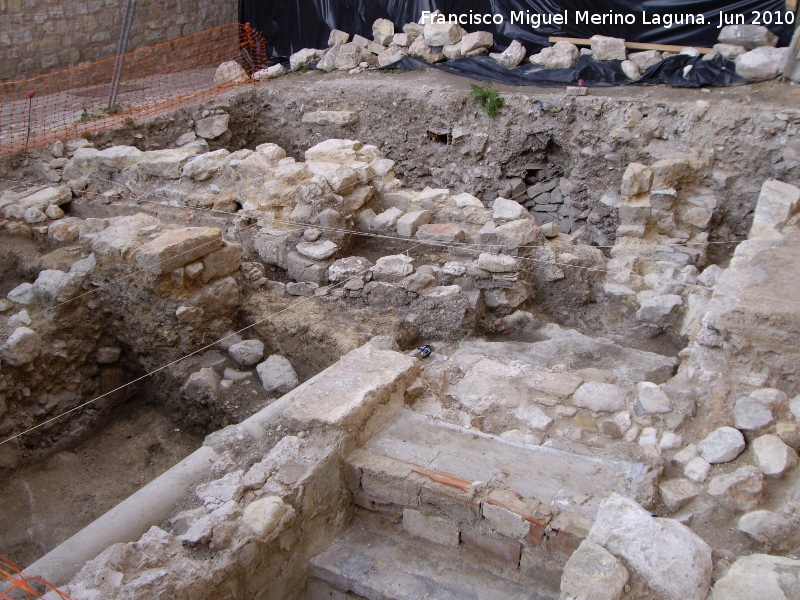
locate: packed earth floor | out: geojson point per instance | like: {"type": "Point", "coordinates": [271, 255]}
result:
{"type": "Point", "coordinates": [608, 285]}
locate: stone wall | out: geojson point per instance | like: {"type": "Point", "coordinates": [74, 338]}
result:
{"type": "Point", "coordinates": [39, 36]}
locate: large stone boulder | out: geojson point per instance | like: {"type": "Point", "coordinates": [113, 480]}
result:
{"type": "Point", "coordinates": [511, 57]}
{"type": "Point", "coordinates": [593, 573]}
{"type": "Point", "coordinates": [563, 55]}
{"type": "Point", "coordinates": [673, 561]}
{"type": "Point", "coordinates": [277, 375]}
{"type": "Point", "coordinates": [442, 34]}
{"type": "Point", "coordinates": [382, 32]}
{"type": "Point", "coordinates": [759, 576]}
{"type": "Point", "coordinates": [749, 36]}
{"type": "Point", "coordinates": [177, 247]}
{"type": "Point", "coordinates": [230, 73]}
{"type": "Point", "coordinates": [777, 203]}
{"type": "Point", "coordinates": [21, 347]}
{"type": "Point", "coordinates": [608, 48]}
{"type": "Point", "coordinates": [303, 58]}
{"type": "Point", "coordinates": [762, 63]}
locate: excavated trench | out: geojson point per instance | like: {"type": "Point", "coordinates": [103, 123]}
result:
{"type": "Point", "coordinates": [561, 158]}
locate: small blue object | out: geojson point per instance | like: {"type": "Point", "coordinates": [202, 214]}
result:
{"type": "Point", "coordinates": [425, 350]}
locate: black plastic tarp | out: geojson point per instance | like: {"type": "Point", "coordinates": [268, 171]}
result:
{"type": "Point", "coordinates": [718, 72]}
{"type": "Point", "coordinates": [290, 25]}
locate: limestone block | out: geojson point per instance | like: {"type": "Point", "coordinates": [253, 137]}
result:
{"type": "Point", "coordinates": [600, 397]}
{"type": "Point", "coordinates": [205, 166]}
{"type": "Point", "coordinates": [21, 347]}
{"type": "Point", "coordinates": [773, 456]}
{"type": "Point", "coordinates": [409, 223]}
{"type": "Point", "coordinates": [277, 375]}
{"type": "Point", "coordinates": [393, 268]}
{"type": "Point", "coordinates": [497, 263]}
{"type": "Point", "coordinates": [562, 55]}
{"type": "Point", "coordinates": [608, 48]}
{"type": "Point", "coordinates": [778, 531]}
{"type": "Point", "coordinates": [675, 493]}
{"type": "Point", "coordinates": [211, 127]}
{"type": "Point", "coordinates": [346, 268]}
{"type": "Point", "coordinates": [508, 210]}
{"type": "Point", "coordinates": [247, 353]}
{"type": "Point", "coordinates": [317, 250]}
{"type": "Point", "coordinates": [349, 391]}
{"type": "Point", "coordinates": [514, 234]}
{"type": "Point", "coordinates": [53, 286]}
{"type": "Point", "coordinates": [431, 528]}
{"type": "Point", "coordinates": [674, 562]}
{"type": "Point", "coordinates": [264, 514]}
{"type": "Point", "coordinates": [637, 179]}
{"type": "Point", "coordinates": [302, 58]}
{"type": "Point", "coordinates": [442, 34]}
{"type": "Point", "coordinates": [228, 487]}
{"type": "Point", "coordinates": [749, 36]}
{"type": "Point", "coordinates": [777, 203]}
{"type": "Point", "coordinates": [721, 445]}
{"type": "Point", "coordinates": [176, 248]}
{"type": "Point", "coordinates": [751, 415]}
{"type": "Point", "coordinates": [349, 57]}
{"type": "Point", "coordinates": [117, 158]}
{"type": "Point", "coordinates": [387, 220]}
{"type": "Point", "coordinates": [44, 198]}
{"type": "Point", "coordinates": [230, 73]}
{"type": "Point", "coordinates": [660, 311]}
{"type": "Point", "coordinates": [447, 233]}
{"type": "Point", "coordinates": [505, 522]}
{"type": "Point", "coordinates": [164, 163]}
{"type": "Point", "coordinates": [645, 60]}
{"type": "Point", "coordinates": [593, 573]}
{"type": "Point", "coordinates": [631, 70]}
{"type": "Point", "coordinates": [651, 399]}
{"type": "Point", "coordinates": [342, 179]}
{"type": "Point", "coordinates": [759, 576]}
{"type": "Point", "coordinates": [762, 63]}
{"type": "Point", "coordinates": [383, 32]}
{"type": "Point", "coordinates": [337, 37]}
{"type": "Point", "coordinates": [697, 469]}
{"type": "Point", "coordinates": [511, 57]}
{"type": "Point", "coordinates": [740, 490]}
{"type": "Point", "coordinates": [475, 40]}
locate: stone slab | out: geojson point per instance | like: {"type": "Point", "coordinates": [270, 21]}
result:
{"type": "Point", "coordinates": [571, 482]}
{"type": "Point", "coordinates": [349, 391]}
{"type": "Point", "coordinates": [385, 564]}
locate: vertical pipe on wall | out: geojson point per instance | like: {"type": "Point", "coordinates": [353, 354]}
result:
{"type": "Point", "coordinates": [122, 48]}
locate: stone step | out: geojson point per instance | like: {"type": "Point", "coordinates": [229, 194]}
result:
{"type": "Point", "coordinates": [526, 508]}
{"type": "Point", "coordinates": [420, 445]}
{"type": "Point", "coordinates": [376, 562]}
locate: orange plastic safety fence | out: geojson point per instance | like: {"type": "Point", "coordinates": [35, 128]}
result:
{"type": "Point", "coordinates": [73, 102]}
{"type": "Point", "coordinates": [22, 586]}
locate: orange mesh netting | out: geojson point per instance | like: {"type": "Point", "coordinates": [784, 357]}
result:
{"type": "Point", "coordinates": [66, 104]}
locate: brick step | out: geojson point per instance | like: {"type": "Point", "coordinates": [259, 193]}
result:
{"type": "Point", "coordinates": [375, 561]}
{"type": "Point", "coordinates": [525, 507]}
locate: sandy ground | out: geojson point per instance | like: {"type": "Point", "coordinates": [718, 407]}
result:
{"type": "Point", "coordinates": [44, 504]}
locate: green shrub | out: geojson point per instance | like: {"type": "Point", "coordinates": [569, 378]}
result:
{"type": "Point", "coordinates": [487, 98]}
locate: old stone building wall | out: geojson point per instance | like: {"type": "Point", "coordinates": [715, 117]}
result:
{"type": "Point", "coordinates": [41, 36]}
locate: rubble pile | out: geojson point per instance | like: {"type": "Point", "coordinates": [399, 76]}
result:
{"type": "Point", "coordinates": [433, 40]}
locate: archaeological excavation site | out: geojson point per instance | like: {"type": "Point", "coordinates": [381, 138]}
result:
{"type": "Point", "coordinates": [330, 307]}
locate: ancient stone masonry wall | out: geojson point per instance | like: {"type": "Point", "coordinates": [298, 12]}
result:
{"type": "Point", "coordinates": [37, 36]}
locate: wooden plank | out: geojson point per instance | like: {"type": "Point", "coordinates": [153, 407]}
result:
{"type": "Point", "coordinates": [631, 45]}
